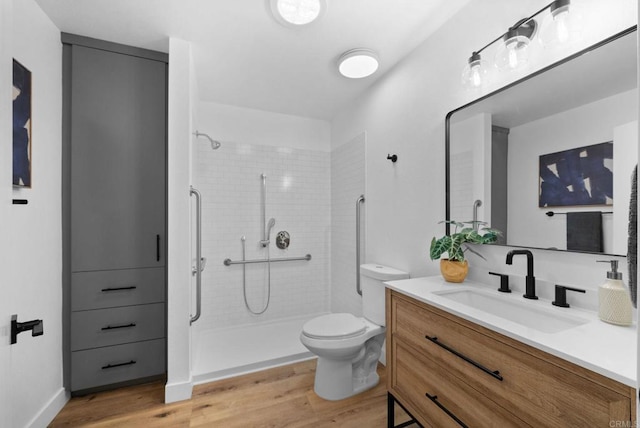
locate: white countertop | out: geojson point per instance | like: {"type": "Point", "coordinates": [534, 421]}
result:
{"type": "Point", "coordinates": [607, 349]}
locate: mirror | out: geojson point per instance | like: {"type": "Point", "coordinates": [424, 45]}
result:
{"type": "Point", "coordinates": [506, 147]}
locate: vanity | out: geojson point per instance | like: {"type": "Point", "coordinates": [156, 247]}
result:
{"type": "Point", "coordinates": [452, 364]}
{"type": "Point", "coordinates": [466, 355]}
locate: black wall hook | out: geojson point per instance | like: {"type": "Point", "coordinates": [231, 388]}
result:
{"type": "Point", "coordinates": [393, 158]}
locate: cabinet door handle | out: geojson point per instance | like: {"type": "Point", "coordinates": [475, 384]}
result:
{"type": "Point", "coordinates": [130, 287]}
{"type": "Point", "coordinates": [157, 248]}
{"type": "Point", "coordinates": [110, 366]}
{"type": "Point", "coordinates": [434, 398]}
{"type": "Point", "coordinates": [114, 327]}
{"type": "Point", "coordinates": [493, 373]}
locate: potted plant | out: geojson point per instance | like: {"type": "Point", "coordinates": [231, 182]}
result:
{"type": "Point", "coordinates": [454, 267]}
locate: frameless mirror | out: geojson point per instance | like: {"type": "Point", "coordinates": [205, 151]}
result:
{"type": "Point", "coordinates": [509, 149]}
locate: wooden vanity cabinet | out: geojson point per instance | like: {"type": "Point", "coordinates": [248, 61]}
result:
{"type": "Point", "coordinates": [447, 371]}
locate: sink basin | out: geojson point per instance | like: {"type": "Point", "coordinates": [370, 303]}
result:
{"type": "Point", "coordinates": [537, 318]}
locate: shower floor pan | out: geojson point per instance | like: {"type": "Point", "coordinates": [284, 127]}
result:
{"type": "Point", "coordinates": [233, 351]}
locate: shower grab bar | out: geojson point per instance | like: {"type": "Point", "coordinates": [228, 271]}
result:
{"type": "Point", "coordinates": [229, 262]}
{"type": "Point", "coordinates": [359, 201]}
{"type": "Point", "coordinates": [477, 203]}
{"type": "Point", "coordinates": [200, 261]}
{"type": "Point", "coordinates": [263, 210]}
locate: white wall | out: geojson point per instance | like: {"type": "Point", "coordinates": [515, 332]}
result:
{"type": "Point", "coordinates": [586, 125]}
{"type": "Point", "coordinates": [348, 182]}
{"type": "Point", "coordinates": [404, 113]}
{"type": "Point", "coordinates": [31, 244]}
{"type": "Point", "coordinates": [292, 153]}
{"type": "Point", "coordinates": [470, 165]}
{"type": "Point", "coordinates": [7, 294]}
{"type": "Point", "coordinates": [179, 289]}
{"type": "Point", "coordinates": [232, 124]}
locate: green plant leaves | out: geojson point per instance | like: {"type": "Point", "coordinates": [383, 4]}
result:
{"type": "Point", "coordinates": [453, 244]}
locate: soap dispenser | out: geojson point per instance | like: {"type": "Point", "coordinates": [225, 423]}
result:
{"type": "Point", "coordinates": [615, 305]}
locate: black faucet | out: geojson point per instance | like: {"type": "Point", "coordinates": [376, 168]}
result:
{"type": "Point", "coordinates": [530, 289]}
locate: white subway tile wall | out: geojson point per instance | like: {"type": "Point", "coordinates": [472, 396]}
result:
{"type": "Point", "coordinates": [299, 199]}
{"type": "Point", "coordinates": [347, 183]}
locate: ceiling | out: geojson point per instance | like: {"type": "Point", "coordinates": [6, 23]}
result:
{"type": "Point", "coordinates": [244, 57]}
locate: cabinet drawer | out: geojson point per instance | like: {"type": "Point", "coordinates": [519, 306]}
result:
{"type": "Point", "coordinates": [113, 364]}
{"type": "Point", "coordinates": [416, 376]}
{"type": "Point", "coordinates": [113, 326]}
{"type": "Point", "coordinates": [111, 288]}
{"type": "Point", "coordinates": [546, 390]}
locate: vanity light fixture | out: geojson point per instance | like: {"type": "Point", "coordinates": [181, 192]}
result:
{"type": "Point", "coordinates": [358, 63]}
{"type": "Point", "coordinates": [475, 73]}
{"type": "Point", "coordinates": [297, 13]}
{"type": "Point", "coordinates": [512, 53]}
{"type": "Point", "coordinates": [563, 24]}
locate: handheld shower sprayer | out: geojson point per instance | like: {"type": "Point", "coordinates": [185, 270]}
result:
{"type": "Point", "coordinates": [267, 237]}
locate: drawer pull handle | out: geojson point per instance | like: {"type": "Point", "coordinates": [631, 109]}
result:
{"type": "Point", "coordinates": [114, 327]}
{"type": "Point", "coordinates": [110, 366]}
{"type": "Point", "coordinates": [434, 398]}
{"type": "Point", "coordinates": [494, 373]}
{"type": "Point", "coordinates": [106, 290]}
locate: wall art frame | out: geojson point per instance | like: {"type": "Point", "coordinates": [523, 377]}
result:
{"type": "Point", "coordinates": [22, 125]}
{"type": "Point", "coordinates": [576, 177]}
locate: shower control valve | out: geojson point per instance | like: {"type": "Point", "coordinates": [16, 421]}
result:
{"type": "Point", "coordinates": [283, 240]}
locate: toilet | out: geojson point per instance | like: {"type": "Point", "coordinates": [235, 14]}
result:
{"type": "Point", "coordinates": [348, 347]}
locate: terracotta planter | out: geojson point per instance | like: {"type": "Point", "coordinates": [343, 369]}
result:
{"type": "Point", "coordinates": [453, 271]}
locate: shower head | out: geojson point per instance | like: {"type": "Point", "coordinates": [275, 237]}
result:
{"type": "Point", "coordinates": [214, 143]}
{"type": "Point", "coordinates": [272, 222]}
{"type": "Point", "coordinates": [267, 232]}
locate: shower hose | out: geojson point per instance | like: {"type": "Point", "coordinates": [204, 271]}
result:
{"type": "Point", "coordinates": [244, 280]}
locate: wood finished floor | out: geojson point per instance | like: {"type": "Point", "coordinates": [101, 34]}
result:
{"type": "Point", "coordinates": [279, 397]}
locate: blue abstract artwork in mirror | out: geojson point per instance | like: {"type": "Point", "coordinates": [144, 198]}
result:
{"type": "Point", "coordinates": [580, 176]}
{"type": "Point", "coordinates": [21, 125]}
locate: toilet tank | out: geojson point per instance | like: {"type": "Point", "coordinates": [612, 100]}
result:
{"type": "Point", "coordinates": [372, 278]}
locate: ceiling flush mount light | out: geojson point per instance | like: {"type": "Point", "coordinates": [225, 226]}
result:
{"type": "Point", "coordinates": [559, 27]}
{"type": "Point", "coordinates": [358, 63]}
{"type": "Point", "coordinates": [297, 13]}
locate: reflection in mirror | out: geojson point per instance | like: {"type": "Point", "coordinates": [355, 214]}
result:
{"type": "Point", "coordinates": [495, 144]}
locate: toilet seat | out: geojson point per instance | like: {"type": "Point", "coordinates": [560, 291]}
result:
{"type": "Point", "coordinates": [334, 326]}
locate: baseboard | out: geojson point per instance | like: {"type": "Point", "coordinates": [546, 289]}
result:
{"type": "Point", "coordinates": [50, 410]}
{"type": "Point", "coordinates": [178, 391]}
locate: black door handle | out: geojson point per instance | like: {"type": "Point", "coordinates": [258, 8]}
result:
{"type": "Point", "coordinates": [449, 413]}
{"type": "Point", "coordinates": [115, 327]}
{"type": "Point", "coordinates": [110, 366]}
{"type": "Point", "coordinates": [493, 373]}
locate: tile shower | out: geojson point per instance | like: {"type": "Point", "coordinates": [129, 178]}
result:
{"type": "Point", "coordinates": [303, 190]}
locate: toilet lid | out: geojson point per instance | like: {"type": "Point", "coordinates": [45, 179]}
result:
{"type": "Point", "coordinates": [334, 326]}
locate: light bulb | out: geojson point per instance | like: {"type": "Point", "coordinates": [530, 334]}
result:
{"type": "Point", "coordinates": [474, 74]}
{"type": "Point", "coordinates": [562, 28]}
{"type": "Point", "coordinates": [476, 80]}
{"type": "Point", "coordinates": [512, 55]}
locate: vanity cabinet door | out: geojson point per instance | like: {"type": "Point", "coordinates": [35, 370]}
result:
{"type": "Point", "coordinates": [441, 397]}
{"type": "Point", "coordinates": [537, 387]}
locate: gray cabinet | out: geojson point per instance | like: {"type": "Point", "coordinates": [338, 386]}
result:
{"type": "Point", "coordinates": [118, 133]}
{"type": "Point", "coordinates": [114, 181]}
